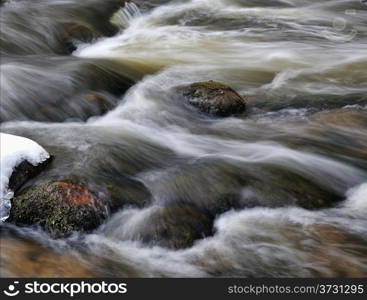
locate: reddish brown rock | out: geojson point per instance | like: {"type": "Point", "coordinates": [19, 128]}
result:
{"type": "Point", "coordinates": [60, 208]}
{"type": "Point", "coordinates": [75, 194]}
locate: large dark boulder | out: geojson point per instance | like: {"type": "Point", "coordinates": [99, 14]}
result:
{"type": "Point", "coordinates": [214, 98]}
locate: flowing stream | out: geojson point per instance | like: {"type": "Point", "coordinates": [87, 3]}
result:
{"type": "Point", "coordinates": [301, 66]}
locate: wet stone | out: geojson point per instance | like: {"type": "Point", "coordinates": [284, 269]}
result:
{"type": "Point", "coordinates": [214, 98]}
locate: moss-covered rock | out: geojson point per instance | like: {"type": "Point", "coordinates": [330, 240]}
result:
{"type": "Point", "coordinates": [214, 98]}
{"type": "Point", "coordinates": [64, 207]}
{"type": "Point", "coordinates": [59, 207]}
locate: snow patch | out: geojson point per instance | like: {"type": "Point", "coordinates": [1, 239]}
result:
{"type": "Point", "coordinates": [14, 150]}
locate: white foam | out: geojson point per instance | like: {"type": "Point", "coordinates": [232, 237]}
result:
{"type": "Point", "coordinates": [357, 198]}
{"type": "Point", "coordinates": [255, 242]}
{"type": "Point", "coordinates": [297, 66]}
{"type": "Point", "coordinates": [14, 150]}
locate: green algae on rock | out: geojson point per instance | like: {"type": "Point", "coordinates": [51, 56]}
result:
{"type": "Point", "coordinates": [61, 208]}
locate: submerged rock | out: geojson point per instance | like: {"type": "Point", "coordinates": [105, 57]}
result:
{"type": "Point", "coordinates": [25, 258]}
{"type": "Point", "coordinates": [62, 24]}
{"type": "Point", "coordinates": [341, 117]}
{"type": "Point", "coordinates": [286, 187]}
{"type": "Point", "coordinates": [332, 246]}
{"type": "Point", "coordinates": [77, 32]}
{"type": "Point", "coordinates": [78, 107]}
{"type": "Point", "coordinates": [214, 98]}
{"type": "Point", "coordinates": [216, 186]}
{"type": "Point", "coordinates": [177, 226]}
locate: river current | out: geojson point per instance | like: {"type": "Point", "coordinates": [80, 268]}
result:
{"type": "Point", "coordinates": [301, 66]}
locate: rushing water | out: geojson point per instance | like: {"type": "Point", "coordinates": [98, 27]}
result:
{"type": "Point", "coordinates": [301, 65]}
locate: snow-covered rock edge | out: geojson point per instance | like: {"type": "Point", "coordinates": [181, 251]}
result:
{"type": "Point", "coordinates": [14, 150]}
